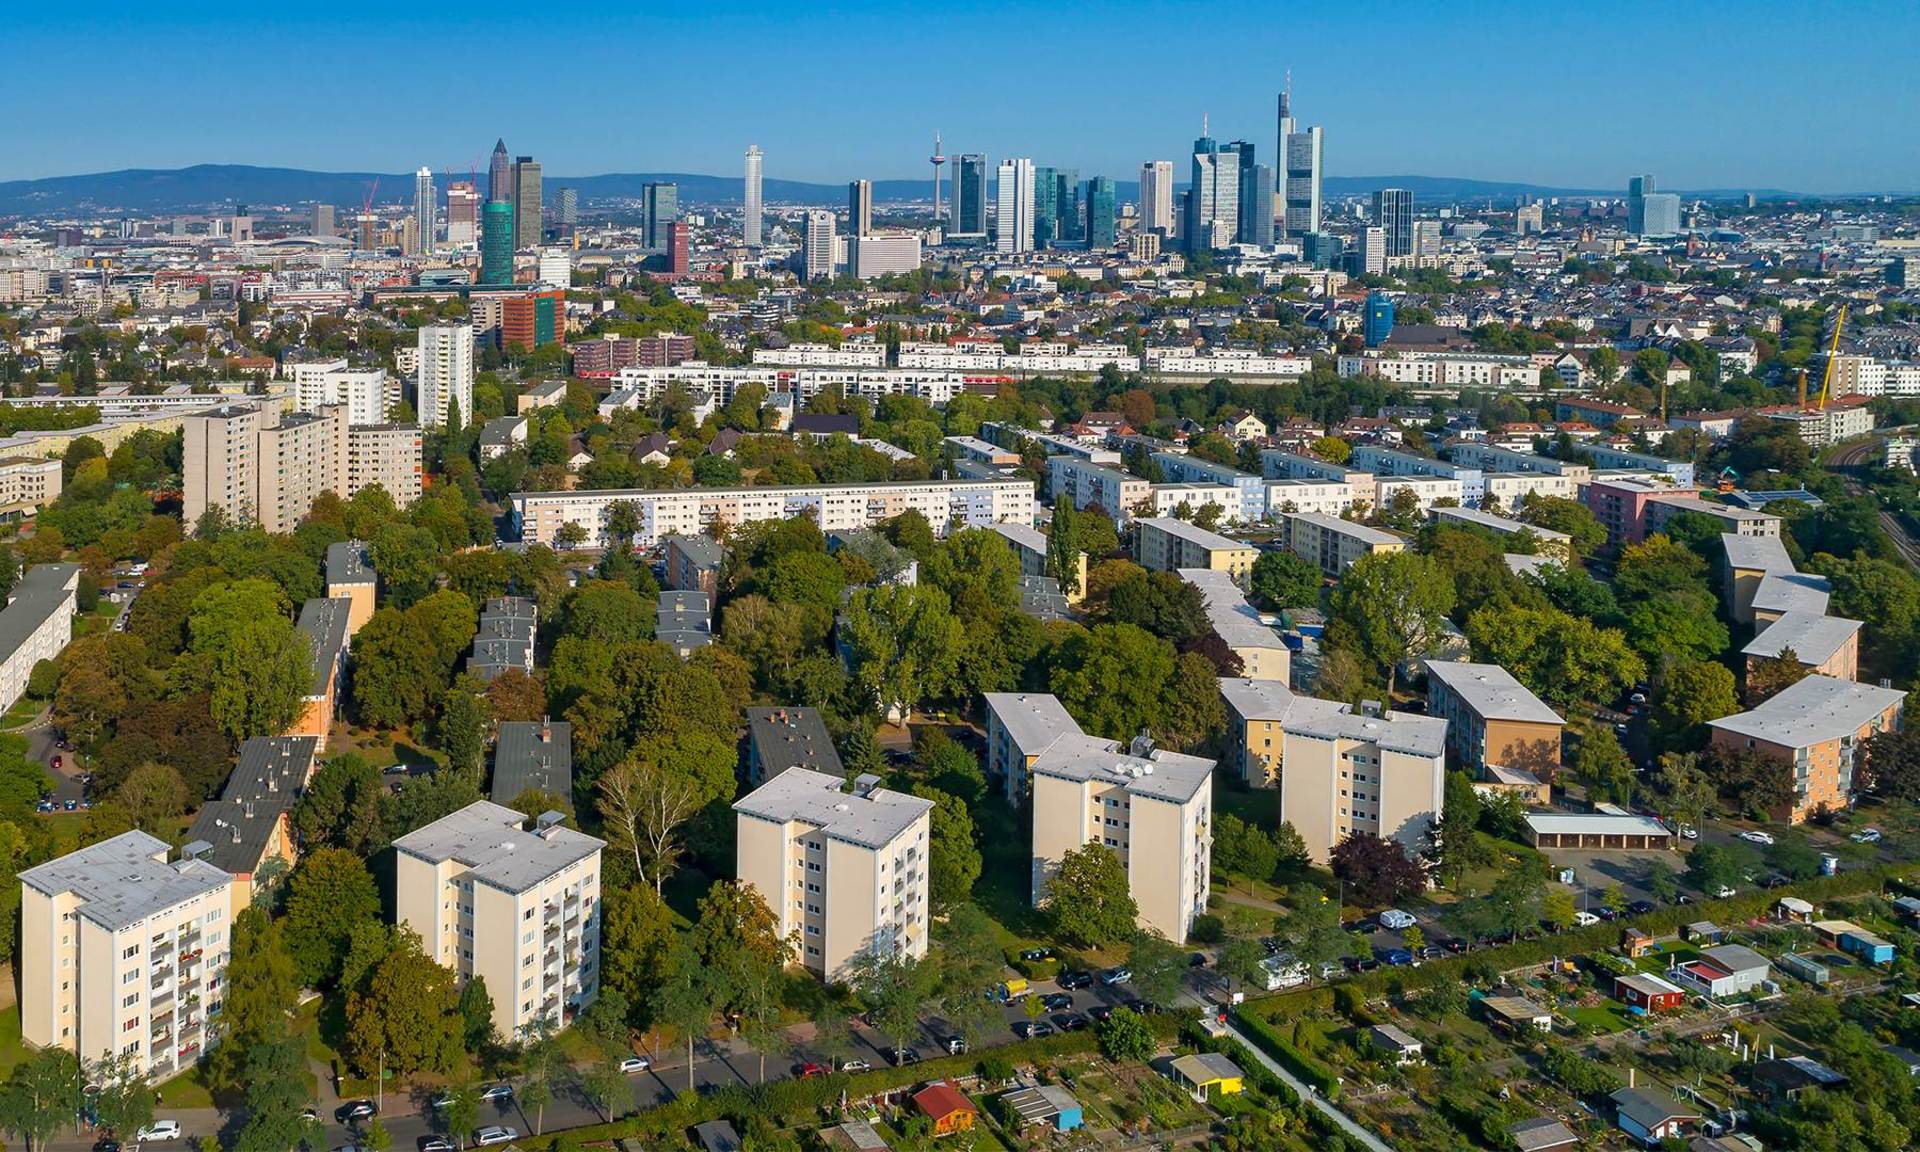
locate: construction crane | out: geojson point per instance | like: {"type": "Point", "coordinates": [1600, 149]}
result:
{"type": "Point", "coordinates": [367, 218]}
{"type": "Point", "coordinates": [1833, 352]}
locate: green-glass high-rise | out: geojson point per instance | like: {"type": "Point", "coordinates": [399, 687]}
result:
{"type": "Point", "coordinates": [1099, 200]}
{"type": "Point", "coordinates": [496, 243]}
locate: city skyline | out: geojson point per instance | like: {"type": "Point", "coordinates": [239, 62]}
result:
{"type": "Point", "coordinates": [1568, 125]}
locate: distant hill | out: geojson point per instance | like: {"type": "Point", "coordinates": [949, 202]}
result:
{"type": "Point", "coordinates": [219, 186]}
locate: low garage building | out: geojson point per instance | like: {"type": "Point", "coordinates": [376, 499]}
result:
{"type": "Point", "coordinates": [1616, 829]}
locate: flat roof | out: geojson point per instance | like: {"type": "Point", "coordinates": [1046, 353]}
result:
{"type": "Point", "coordinates": [1206, 1067]}
{"type": "Point", "coordinates": [1595, 824]}
{"type": "Point", "coordinates": [1814, 637]}
{"type": "Point", "coordinates": [1228, 611]}
{"type": "Point", "coordinates": [349, 562]}
{"type": "Point", "coordinates": [1784, 592]}
{"type": "Point", "coordinates": [122, 881]}
{"type": "Point", "coordinates": [1024, 535]}
{"type": "Point", "coordinates": [1033, 719]}
{"type": "Point", "coordinates": [702, 551]}
{"type": "Point", "coordinates": [1257, 699]}
{"type": "Point", "coordinates": [40, 592]}
{"type": "Point", "coordinates": [1812, 710]}
{"type": "Point", "coordinates": [1492, 692]}
{"type": "Point", "coordinates": [1364, 533]}
{"type": "Point", "coordinates": [1394, 731]}
{"type": "Point", "coordinates": [497, 848]}
{"type": "Point", "coordinates": [1688, 502]}
{"type": "Point", "coordinates": [873, 820]}
{"type": "Point", "coordinates": [533, 754]}
{"type": "Point", "coordinates": [1762, 553]}
{"type": "Point", "coordinates": [1495, 523]}
{"type": "Point", "coordinates": [1193, 534]}
{"type": "Point", "coordinates": [1150, 772]}
{"type": "Point", "coordinates": [788, 737]}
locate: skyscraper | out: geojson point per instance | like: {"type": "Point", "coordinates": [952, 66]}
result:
{"type": "Point", "coordinates": [819, 244]}
{"type": "Point", "coordinates": [1215, 208]}
{"type": "Point", "coordinates": [423, 210]}
{"type": "Point", "coordinates": [445, 380]}
{"type": "Point", "coordinates": [1070, 226]}
{"type": "Point", "coordinates": [659, 207]}
{"type": "Point", "coordinates": [679, 247]}
{"type": "Point", "coordinates": [1099, 226]}
{"type": "Point", "coordinates": [567, 214]}
{"type": "Point", "coordinates": [1369, 255]}
{"type": "Point", "coordinates": [859, 207]}
{"type": "Point", "coordinates": [499, 174]}
{"type": "Point", "coordinates": [1393, 211]}
{"type": "Point", "coordinates": [751, 211]}
{"type": "Point", "coordinates": [1156, 196]}
{"type": "Point", "coordinates": [1299, 172]}
{"type": "Point", "coordinates": [1046, 207]}
{"type": "Point", "coordinates": [323, 220]}
{"type": "Point", "coordinates": [496, 243]}
{"type": "Point", "coordinates": [463, 214]}
{"type": "Point", "coordinates": [526, 202]}
{"type": "Point", "coordinates": [1013, 202]}
{"type": "Point", "coordinates": [1651, 213]}
{"type": "Point", "coordinates": [1256, 205]}
{"type": "Point", "coordinates": [1378, 322]}
{"type": "Point", "coordinates": [970, 194]}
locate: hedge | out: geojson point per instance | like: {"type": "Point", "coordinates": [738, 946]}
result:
{"type": "Point", "coordinates": [1299, 1063]}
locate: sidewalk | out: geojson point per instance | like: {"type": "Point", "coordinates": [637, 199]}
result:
{"type": "Point", "coordinates": [1347, 1123]}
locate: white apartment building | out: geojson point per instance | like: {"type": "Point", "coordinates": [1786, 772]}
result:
{"type": "Point", "coordinates": [514, 904]}
{"type": "Point", "coordinates": [445, 374]}
{"type": "Point", "coordinates": [389, 455]}
{"type": "Point", "coordinates": [1327, 497]}
{"type": "Point", "coordinates": [810, 355]}
{"type": "Point", "coordinates": [1425, 490]}
{"type": "Point", "coordinates": [1229, 363]}
{"type": "Point", "coordinates": [1443, 369]}
{"type": "Point", "coordinates": [1263, 656]}
{"type": "Point", "coordinates": [1089, 485]}
{"type": "Point", "coordinates": [1168, 499]}
{"type": "Point", "coordinates": [35, 625]}
{"type": "Point", "coordinates": [633, 387]}
{"type": "Point", "coordinates": [1338, 771]}
{"type": "Point", "coordinates": [845, 871]}
{"type": "Point", "coordinates": [367, 394]}
{"type": "Point", "coordinates": [28, 484]}
{"type": "Point", "coordinates": [1508, 489]}
{"type": "Point", "coordinates": [817, 249]}
{"type": "Point", "coordinates": [539, 516]}
{"type": "Point", "coordinates": [123, 953]}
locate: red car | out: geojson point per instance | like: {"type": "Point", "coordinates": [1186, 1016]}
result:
{"type": "Point", "coordinates": [809, 1070]}
{"type": "Point", "coordinates": [56, 761]}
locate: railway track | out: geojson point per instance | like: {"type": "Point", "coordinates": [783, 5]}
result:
{"type": "Point", "coordinates": [1846, 463]}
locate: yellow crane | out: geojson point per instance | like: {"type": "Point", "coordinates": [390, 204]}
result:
{"type": "Point", "coordinates": [1833, 350]}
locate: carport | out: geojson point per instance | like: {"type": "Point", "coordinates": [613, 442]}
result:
{"type": "Point", "coordinates": [1599, 831]}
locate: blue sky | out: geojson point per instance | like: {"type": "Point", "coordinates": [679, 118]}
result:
{"type": "Point", "coordinates": [1708, 94]}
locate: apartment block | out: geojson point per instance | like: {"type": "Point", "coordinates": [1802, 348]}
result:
{"type": "Point", "coordinates": [123, 953]}
{"type": "Point", "coordinates": [28, 484]}
{"type": "Point", "coordinates": [783, 738]}
{"type": "Point", "coordinates": [36, 624]}
{"type": "Point", "coordinates": [367, 393]}
{"type": "Point", "coordinates": [1164, 544]}
{"type": "Point", "coordinates": [1621, 506]}
{"type": "Point", "coordinates": [1087, 484]}
{"type": "Point", "coordinates": [350, 577]}
{"type": "Point", "coordinates": [1263, 656]}
{"type": "Point", "coordinates": [1750, 560]}
{"type": "Point", "coordinates": [1816, 727]}
{"type": "Point", "coordinates": [505, 638]}
{"type": "Point", "coordinates": [1492, 719]}
{"type": "Point", "coordinates": [323, 623]}
{"type": "Point", "coordinates": [1828, 645]}
{"type": "Point", "coordinates": [1021, 726]}
{"type": "Point", "coordinates": [845, 871]}
{"type": "Point", "coordinates": [539, 516]}
{"type": "Point", "coordinates": [1029, 544]}
{"type": "Point", "coordinates": [1327, 497]}
{"type": "Point", "coordinates": [512, 901]}
{"type": "Point", "coordinates": [444, 383]}
{"type": "Point", "coordinates": [1547, 542]}
{"type": "Point", "coordinates": [1335, 544]}
{"type": "Point", "coordinates": [260, 470]}
{"type": "Point", "coordinates": [693, 564]}
{"type": "Point", "coordinates": [1183, 468]}
{"type": "Point", "coordinates": [533, 755]}
{"type": "Point", "coordinates": [1385, 462]}
{"type": "Point", "coordinates": [1338, 770]}
{"type": "Point", "coordinates": [1151, 808]}
{"type": "Point", "coordinates": [1732, 518]}
{"type": "Point", "coordinates": [252, 820]}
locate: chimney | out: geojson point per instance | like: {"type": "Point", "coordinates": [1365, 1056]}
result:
{"type": "Point", "coordinates": [1370, 708]}
{"type": "Point", "coordinates": [1629, 1077]}
{"type": "Point", "coordinates": [546, 729]}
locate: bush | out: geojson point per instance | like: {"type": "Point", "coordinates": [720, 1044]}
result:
{"type": "Point", "coordinates": [1207, 929]}
{"type": "Point", "coordinates": [1296, 1061]}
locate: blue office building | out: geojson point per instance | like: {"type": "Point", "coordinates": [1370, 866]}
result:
{"type": "Point", "coordinates": [1378, 324]}
{"type": "Point", "coordinates": [1099, 200]}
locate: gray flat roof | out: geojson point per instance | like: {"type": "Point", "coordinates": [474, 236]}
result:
{"type": "Point", "coordinates": [124, 880]}
{"type": "Point", "coordinates": [349, 562]}
{"type": "Point", "coordinates": [43, 590]}
{"type": "Point", "coordinates": [1595, 824]}
{"type": "Point", "coordinates": [1492, 692]}
{"type": "Point", "coordinates": [533, 754]}
{"type": "Point", "coordinates": [1764, 553]}
{"type": "Point", "coordinates": [1495, 523]}
{"type": "Point", "coordinates": [803, 795]}
{"type": "Point", "coordinates": [1394, 731]}
{"type": "Point", "coordinates": [497, 847]}
{"type": "Point", "coordinates": [1157, 775]}
{"type": "Point", "coordinates": [1228, 611]}
{"type": "Point", "coordinates": [1811, 711]}
{"type": "Point", "coordinates": [785, 737]}
{"type": "Point", "coordinates": [271, 773]}
{"type": "Point", "coordinates": [1813, 637]}
{"type": "Point", "coordinates": [702, 551]}
{"type": "Point", "coordinates": [1024, 535]}
{"type": "Point", "coordinates": [1192, 533]}
{"type": "Point", "coordinates": [1257, 699]}
{"type": "Point", "coordinates": [1033, 719]}
{"type": "Point", "coordinates": [1785, 592]}
{"type": "Point", "coordinates": [1361, 532]}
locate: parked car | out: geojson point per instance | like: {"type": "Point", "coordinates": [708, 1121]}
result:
{"type": "Point", "coordinates": [809, 1070]}
{"type": "Point", "coordinates": [1114, 976]}
{"type": "Point", "coordinates": [1141, 1006]}
{"type": "Point", "coordinates": [1101, 1013]}
{"type": "Point", "coordinates": [956, 1045]}
{"type": "Point", "coordinates": [1689, 832]}
{"type": "Point", "coordinates": [356, 1110]}
{"type": "Point", "coordinates": [855, 1065]}
{"type": "Point", "coordinates": [1395, 956]}
{"type": "Point", "coordinates": [1724, 891]}
{"type": "Point", "coordinates": [1034, 955]}
{"type": "Point", "coordinates": [1069, 1021]}
{"type": "Point", "coordinates": [634, 1064]}
{"type": "Point", "coordinates": [1397, 920]}
{"type": "Point", "coordinates": [1364, 925]}
{"type": "Point", "coordinates": [57, 761]}
{"type": "Point", "coordinates": [1075, 980]}
{"type": "Point", "coordinates": [1585, 919]}
{"type": "Point", "coordinates": [106, 1144]}
{"type": "Point", "coordinates": [1755, 836]}
{"type": "Point", "coordinates": [159, 1130]}
{"type": "Point", "coordinates": [1866, 836]}
{"type": "Point", "coordinates": [497, 1092]}
{"type": "Point", "coordinates": [906, 1056]}
{"type": "Point", "coordinates": [496, 1134]}
{"type": "Point", "coordinates": [1640, 907]}
{"type": "Point", "coordinates": [1056, 1001]}
{"type": "Point", "coordinates": [1197, 960]}
{"type": "Point", "coordinates": [1032, 1029]}
{"type": "Point", "coordinates": [435, 1144]}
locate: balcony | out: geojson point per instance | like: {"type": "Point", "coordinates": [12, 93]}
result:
{"type": "Point", "coordinates": [161, 951]}
{"type": "Point", "coordinates": [552, 932]}
{"type": "Point", "coordinates": [190, 939]}
{"type": "Point", "coordinates": [161, 977]}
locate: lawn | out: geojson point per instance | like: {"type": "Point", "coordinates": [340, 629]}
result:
{"type": "Point", "coordinates": [13, 1049]}
{"type": "Point", "coordinates": [22, 713]}
{"type": "Point", "coordinates": [1604, 1018]}
{"type": "Point", "coordinates": [187, 1090]}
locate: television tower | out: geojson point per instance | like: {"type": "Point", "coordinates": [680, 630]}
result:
{"type": "Point", "coordinates": [937, 159]}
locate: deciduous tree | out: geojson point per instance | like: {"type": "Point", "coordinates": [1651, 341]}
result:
{"type": "Point", "coordinates": [1088, 898]}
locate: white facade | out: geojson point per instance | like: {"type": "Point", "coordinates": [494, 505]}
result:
{"type": "Point", "coordinates": [819, 245]}
{"type": "Point", "coordinates": [882, 254]}
{"type": "Point", "coordinates": [37, 624]}
{"type": "Point", "coordinates": [556, 270]}
{"type": "Point", "coordinates": [445, 373]}
{"type": "Point", "coordinates": [1156, 196]}
{"type": "Point", "coordinates": [692, 511]}
{"type": "Point", "coordinates": [751, 209]}
{"type": "Point", "coordinates": [1013, 230]}
{"type": "Point", "coordinates": [366, 393]}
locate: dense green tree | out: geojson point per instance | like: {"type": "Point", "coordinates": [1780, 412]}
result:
{"type": "Point", "coordinates": [1125, 1038]}
{"type": "Point", "coordinates": [408, 1018]}
{"type": "Point", "coordinates": [341, 806]}
{"type": "Point", "coordinates": [277, 1098]}
{"type": "Point", "coordinates": [41, 1096]}
{"type": "Point", "coordinates": [329, 893]}
{"type": "Point", "coordinates": [260, 995]}
{"type": "Point", "coordinates": [903, 644]}
{"type": "Point", "coordinates": [1113, 679]}
{"type": "Point", "coordinates": [1686, 696]}
{"type": "Point", "coordinates": [1283, 580]}
{"type": "Point", "coordinates": [1599, 763]}
{"type": "Point", "coordinates": [1088, 898]}
{"type": "Point", "coordinates": [953, 858]}
{"type": "Point", "coordinates": [1562, 659]}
